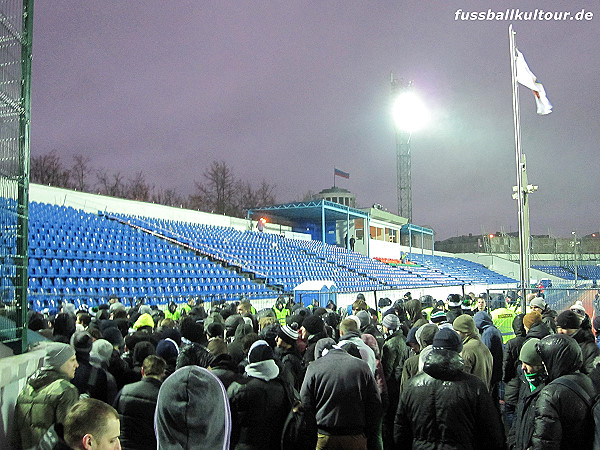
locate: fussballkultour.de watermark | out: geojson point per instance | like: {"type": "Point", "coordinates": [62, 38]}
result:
{"type": "Point", "coordinates": [516, 14]}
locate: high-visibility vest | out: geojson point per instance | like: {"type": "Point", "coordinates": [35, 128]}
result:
{"type": "Point", "coordinates": [503, 319]}
{"type": "Point", "coordinates": [281, 315]}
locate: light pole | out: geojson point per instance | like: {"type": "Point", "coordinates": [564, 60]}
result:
{"type": "Point", "coordinates": [574, 244]}
{"type": "Point", "coordinates": [409, 115]}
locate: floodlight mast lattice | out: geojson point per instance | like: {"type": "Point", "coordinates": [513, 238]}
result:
{"type": "Point", "coordinates": [409, 115]}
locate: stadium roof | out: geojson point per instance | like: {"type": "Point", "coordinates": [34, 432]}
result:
{"type": "Point", "coordinates": [312, 210]}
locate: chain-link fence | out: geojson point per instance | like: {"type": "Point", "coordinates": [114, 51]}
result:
{"type": "Point", "coordinates": [16, 20]}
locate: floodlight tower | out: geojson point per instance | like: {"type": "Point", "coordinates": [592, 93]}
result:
{"type": "Point", "coordinates": [409, 115]}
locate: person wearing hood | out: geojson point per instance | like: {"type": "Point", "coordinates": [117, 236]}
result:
{"type": "Point", "coordinates": [349, 332]}
{"type": "Point", "coordinates": [413, 311]}
{"type": "Point", "coordinates": [424, 337]}
{"type": "Point", "coordinates": [235, 347]}
{"type": "Point", "coordinates": [532, 380]}
{"type": "Point", "coordinates": [563, 420]}
{"type": "Point", "coordinates": [511, 364]}
{"type": "Point", "coordinates": [368, 326]}
{"type": "Point", "coordinates": [192, 411]}
{"type": "Point", "coordinates": [144, 323]}
{"type": "Point", "coordinates": [47, 396]}
{"type": "Point", "coordinates": [445, 407]}
{"type": "Point", "coordinates": [476, 355]}
{"type": "Point", "coordinates": [259, 404]}
{"type": "Point", "coordinates": [569, 323]}
{"type": "Point", "coordinates": [492, 338]}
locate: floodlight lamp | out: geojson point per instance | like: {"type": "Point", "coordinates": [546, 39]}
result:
{"type": "Point", "coordinates": [409, 112]}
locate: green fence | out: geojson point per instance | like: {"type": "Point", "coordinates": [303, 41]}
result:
{"type": "Point", "coordinates": [16, 20]}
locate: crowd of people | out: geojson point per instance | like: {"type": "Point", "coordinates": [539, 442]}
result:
{"type": "Point", "coordinates": [399, 376]}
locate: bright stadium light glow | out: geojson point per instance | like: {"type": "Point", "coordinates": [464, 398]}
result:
{"type": "Point", "coordinates": [409, 112]}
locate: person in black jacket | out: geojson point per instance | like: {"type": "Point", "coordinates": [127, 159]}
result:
{"type": "Point", "coordinates": [563, 420]}
{"type": "Point", "coordinates": [259, 405]}
{"type": "Point", "coordinates": [91, 381]}
{"type": "Point", "coordinates": [532, 378]}
{"type": "Point", "coordinates": [511, 363]}
{"type": "Point", "coordinates": [445, 407]}
{"type": "Point", "coordinates": [569, 323]}
{"type": "Point", "coordinates": [136, 403]}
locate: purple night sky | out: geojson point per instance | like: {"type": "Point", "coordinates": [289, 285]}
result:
{"type": "Point", "coordinates": [286, 91]}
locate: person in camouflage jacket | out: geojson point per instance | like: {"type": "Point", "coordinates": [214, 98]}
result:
{"type": "Point", "coordinates": [47, 397]}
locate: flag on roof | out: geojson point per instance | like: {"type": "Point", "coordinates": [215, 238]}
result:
{"type": "Point", "coordinates": [526, 77]}
{"type": "Point", "coordinates": [341, 173]}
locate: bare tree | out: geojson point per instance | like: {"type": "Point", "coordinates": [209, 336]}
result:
{"type": "Point", "coordinates": [138, 189]}
{"type": "Point", "coordinates": [169, 197]}
{"type": "Point", "coordinates": [112, 185]}
{"type": "Point", "coordinates": [79, 172]}
{"type": "Point", "coordinates": [48, 169]}
{"type": "Point", "coordinates": [217, 194]}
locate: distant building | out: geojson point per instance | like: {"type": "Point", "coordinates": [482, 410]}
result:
{"type": "Point", "coordinates": [337, 195]}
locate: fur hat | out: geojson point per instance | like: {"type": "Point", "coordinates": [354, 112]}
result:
{"type": "Point", "coordinates": [447, 339]}
{"type": "Point", "coordinates": [531, 319]}
{"type": "Point", "coordinates": [568, 320]}
{"type": "Point", "coordinates": [57, 354]}
{"type": "Point", "coordinates": [391, 322]}
{"type": "Point", "coordinates": [288, 335]}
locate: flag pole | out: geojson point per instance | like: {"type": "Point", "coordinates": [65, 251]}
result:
{"type": "Point", "coordinates": [334, 177]}
{"type": "Point", "coordinates": [520, 165]}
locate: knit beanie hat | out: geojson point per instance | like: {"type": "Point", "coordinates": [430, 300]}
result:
{"type": "Point", "coordinates": [114, 336]}
{"type": "Point", "coordinates": [528, 353]}
{"type": "Point", "coordinates": [313, 324]}
{"type": "Point", "coordinates": [167, 349]}
{"type": "Point", "coordinates": [215, 329]}
{"type": "Point", "coordinates": [57, 354]}
{"type": "Point", "coordinates": [447, 339]}
{"type": "Point", "coordinates": [391, 322]}
{"type": "Point", "coordinates": [578, 309]}
{"type": "Point", "coordinates": [260, 351]}
{"type": "Point", "coordinates": [411, 337]}
{"type": "Point", "coordinates": [539, 302]}
{"type": "Point", "coordinates": [454, 300]}
{"type": "Point", "coordinates": [568, 320]}
{"type": "Point", "coordinates": [101, 350]}
{"type": "Point", "coordinates": [438, 315]}
{"type": "Point", "coordinates": [82, 341]}
{"type": "Point", "coordinates": [465, 324]}
{"type": "Point", "coordinates": [144, 309]}
{"type": "Point", "coordinates": [288, 335]}
{"type": "Point", "coordinates": [531, 319]}
{"type": "Point", "coordinates": [365, 319]}
{"type": "Point", "coordinates": [145, 320]}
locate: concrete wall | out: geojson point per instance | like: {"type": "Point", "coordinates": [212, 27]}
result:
{"type": "Point", "coordinates": [14, 371]}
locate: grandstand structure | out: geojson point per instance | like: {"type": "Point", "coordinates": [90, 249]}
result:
{"type": "Point", "coordinates": [84, 248]}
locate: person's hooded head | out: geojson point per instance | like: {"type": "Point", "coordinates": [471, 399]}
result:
{"type": "Point", "coordinates": [192, 411]}
{"type": "Point", "coordinates": [442, 359]}
{"type": "Point", "coordinates": [261, 363]}
{"type": "Point", "coordinates": [232, 323]}
{"type": "Point", "coordinates": [561, 354]}
{"type": "Point", "coordinates": [517, 325]}
{"type": "Point", "coordinates": [464, 325]}
{"type": "Point", "coordinates": [323, 346]}
{"type": "Point", "coordinates": [194, 354]}
{"type": "Point", "coordinates": [64, 325]}
{"type": "Point", "coordinates": [425, 334]}
{"type": "Point", "coordinates": [365, 319]}
{"type": "Point", "coordinates": [145, 321]}
{"type": "Point", "coordinates": [482, 320]}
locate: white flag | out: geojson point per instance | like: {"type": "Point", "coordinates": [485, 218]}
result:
{"type": "Point", "coordinates": [528, 79]}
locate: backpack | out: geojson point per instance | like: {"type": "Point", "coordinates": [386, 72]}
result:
{"type": "Point", "coordinates": [299, 429]}
{"type": "Point", "coordinates": [593, 403]}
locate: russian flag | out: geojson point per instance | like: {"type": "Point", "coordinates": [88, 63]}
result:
{"type": "Point", "coordinates": [340, 173]}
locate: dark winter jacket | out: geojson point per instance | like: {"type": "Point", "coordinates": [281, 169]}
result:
{"type": "Point", "coordinates": [452, 313]}
{"type": "Point", "coordinates": [444, 407]}
{"type": "Point", "coordinates": [291, 363]}
{"type": "Point", "coordinates": [589, 350]}
{"type": "Point", "coordinates": [539, 330]}
{"type": "Point", "coordinates": [562, 418]}
{"type": "Point", "coordinates": [309, 353]}
{"type": "Point", "coordinates": [511, 362]}
{"type": "Point", "coordinates": [549, 318]}
{"type": "Point", "coordinates": [340, 391]}
{"type": "Point", "coordinates": [192, 411]}
{"type": "Point", "coordinates": [259, 409]}
{"type": "Point", "coordinates": [45, 400]}
{"type": "Point", "coordinates": [395, 353]}
{"type": "Point", "coordinates": [225, 369]}
{"type": "Point", "coordinates": [492, 338]}
{"type": "Point", "coordinates": [235, 348]}
{"type": "Point", "coordinates": [522, 429]}
{"type": "Point", "coordinates": [89, 379]}
{"type": "Point", "coordinates": [136, 404]}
